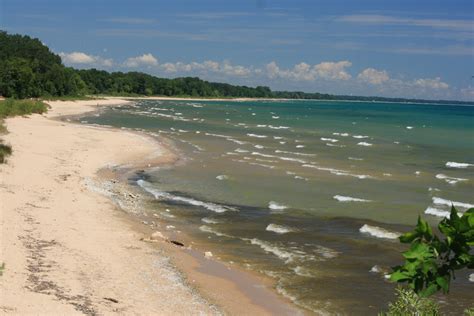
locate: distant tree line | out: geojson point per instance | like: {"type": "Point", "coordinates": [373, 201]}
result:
{"type": "Point", "coordinates": [28, 69]}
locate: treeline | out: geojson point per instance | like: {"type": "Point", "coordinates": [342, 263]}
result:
{"type": "Point", "coordinates": [28, 69]}
{"type": "Point", "coordinates": [103, 82]}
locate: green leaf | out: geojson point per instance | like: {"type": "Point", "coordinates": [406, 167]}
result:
{"type": "Point", "coordinates": [443, 282]}
{"type": "Point", "coordinates": [399, 276]}
{"type": "Point", "coordinates": [418, 251]}
{"type": "Point", "coordinates": [408, 237]}
{"type": "Point", "coordinates": [428, 291]}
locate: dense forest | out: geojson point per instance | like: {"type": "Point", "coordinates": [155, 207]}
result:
{"type": "Point", "coordinates": [28, 69]}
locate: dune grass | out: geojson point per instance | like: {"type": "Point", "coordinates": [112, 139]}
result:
{"type": "Point", "coordinates": [12, 107]}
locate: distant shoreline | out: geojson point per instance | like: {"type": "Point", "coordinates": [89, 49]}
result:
{"type": "Point", "coordinates": [165, 98]}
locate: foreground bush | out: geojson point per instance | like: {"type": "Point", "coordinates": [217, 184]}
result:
{"type": "Point", "coordinates": [431, 261]}
{"type": "Point", "coordinates": [409, 303]}
{"type": "Point", "coordinates": [12, 107]}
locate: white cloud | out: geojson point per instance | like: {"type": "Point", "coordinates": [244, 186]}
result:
{"type": "Point", "coordinates": [333, 70]}
{"type": "Point", "coordinates": [373, 76]}
{"type": "Point", "coordinates": [435, 83]}
{"type": "Point", "coordinates": [84, 59]}
{"type": "Point", "coordinates": [468, 93]}
{"type": "Point", "coordinates": [306, 72]}
{"type": "Point", "coordinates": [207, 66]}
{"type": "Point", "coordinates": [466, 25]}
{"type": "Point", "coordinates": [143, 60]}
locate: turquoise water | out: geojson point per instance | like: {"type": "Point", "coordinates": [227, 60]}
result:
{"type": "Point", "coordinates": [311, 193]}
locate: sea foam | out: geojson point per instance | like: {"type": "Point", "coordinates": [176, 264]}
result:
{"type": "Point", "coordinates": [441, 201]}
{"type": "Point", "coordinates": [342, 198]}
{"type": "Point", "coordinates": [159, 195]}
{"type": "Point", "coordinates": [462, 165]}
{"type": "Point", "coordinates": [279, 229]}
{"type": "Point", "coordinates": [276, 206]}
{"type": "Point", "coordinates": [448, 179]}
{"type": "Point", "coordinates": [378, 232]}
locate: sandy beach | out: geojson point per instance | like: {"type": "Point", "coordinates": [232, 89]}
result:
{"type": "Point", "coordinates": [69, 250]}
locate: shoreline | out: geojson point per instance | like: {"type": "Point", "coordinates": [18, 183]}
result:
{"type": "Point", "coordinates": [66, 247]}
{"type": "Point", "coordinates": [165, 98]}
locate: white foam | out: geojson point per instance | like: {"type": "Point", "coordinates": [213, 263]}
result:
{"type": "Point", "coordinates": [279, 229]}
{"type": "Point", "coordinates": [276, 206]}
{"type": "Point", "coordinates": [277, 251]}
{"type": "Point", "coordinates": [339, 172]}
{"type": "Point", "coordinates": [241, 150]}
{"type": "Point", "coordinates": [209, 220]}
{"type": "Point", "coordinates": [255, 153]}
{"type": "Point", "coordinates": [342, 198]}
{"type": "Point", "coordinates": [364, 144]}
{"type": "Point", "coordinates": [300, 146]}
{"type": "Point", "coordinates": [258, 146]}
{"type": "Point", "coordinates": [333, 145]}
{"type": "Point", "coordinates": [332, 140]}
{"type": "Point", "coordinates": [294, 153]}
{"type": "Point", "coordinates": [354, 158]}
{"type": "Point", "coordinates": [275, 117]}
{"type": "Point", "coordinates": [409, 127]}
{"type": "Point", "coordinates": [256, 135]}
{"type": "Point", "coordinates": [301, 271]}
{"type": "Point", "coordinates": [436, 212]}
{"type": "Point", "coordinates": [278, 127]}
{"type": "Point", "coordinates": [341, 134]}
{"type": "Point", "coordinates": [462, 165]}
{"type": "Point", "coordinates": [360, 136]}
{"type": "Point", "coordinates": [222, 177]}
{"type": "Point", "coordinates": [292, 159]}
{"type": "Point", "coordinates": [167, 196]}
{"type": "Point", "coordinates": [378, 232]}
{"type": "Point", "coordinates": [448, 179]}
{"type": "Point", "coordinates": [441, 201]}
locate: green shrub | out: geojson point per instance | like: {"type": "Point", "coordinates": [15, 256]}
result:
{"type": "Point", "coordinates": [12, 107]}
{"type": "Point", "coordinates": [431, 262]}
{"type": "Point", "coordinates": [409, 303]}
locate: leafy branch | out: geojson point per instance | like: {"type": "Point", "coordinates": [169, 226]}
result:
{"type": "Point", "coordinates": [431, 261]}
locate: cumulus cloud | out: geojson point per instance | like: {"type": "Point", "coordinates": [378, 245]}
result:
{"type": "Point", "coordinates": [207, 66]}
{"type": "Point", "coordinates": [334, 70]}
{"type": "Point", "coordinates": [78, 58]}
{"type": "Point", "coordinates": [373, 76]}
{"type": "Point", "coordinates": [140, 61]}
{"type": "Point", "coordinates": [435, 83]}
{"type": "Point", "coordinates": [306, 72]}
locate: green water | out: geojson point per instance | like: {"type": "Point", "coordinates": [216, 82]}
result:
{"type": "Point", "coordinates": [285, 187]}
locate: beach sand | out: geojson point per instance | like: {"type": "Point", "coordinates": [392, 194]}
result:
{"type": "Point", "coordinates": [69, 250]}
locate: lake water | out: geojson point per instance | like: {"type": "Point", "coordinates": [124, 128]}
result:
{"type": "Point", "coordinates": [311, 193]}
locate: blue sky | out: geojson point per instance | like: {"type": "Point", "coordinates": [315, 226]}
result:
{"type": "Point", "coordinates": [403, 48]}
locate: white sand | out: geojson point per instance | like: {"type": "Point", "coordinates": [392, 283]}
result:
{"type": "Point", "coordinates": [66, 248]}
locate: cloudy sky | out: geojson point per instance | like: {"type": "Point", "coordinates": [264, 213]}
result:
{"type": "Point", "coordinates": [420, 48]}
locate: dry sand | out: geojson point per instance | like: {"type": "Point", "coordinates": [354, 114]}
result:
{"type": "Point", "coordinates": [69, 250]}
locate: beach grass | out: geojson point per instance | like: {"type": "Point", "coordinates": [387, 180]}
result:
{"type": "Point", "coordinates": [13, 107]}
